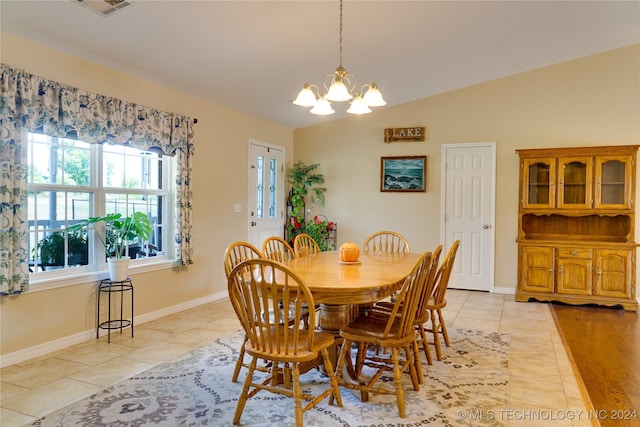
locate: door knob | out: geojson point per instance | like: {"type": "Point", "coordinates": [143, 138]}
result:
{"type": "Point", "coordinates": [253, 223]}
{"type": "Point", "coordinates": [487, 226]}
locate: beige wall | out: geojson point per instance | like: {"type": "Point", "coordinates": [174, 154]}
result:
{"type": "Point", "coordinates": [588, 101]}
{"type": "Point", "coordinates": [219, 180]}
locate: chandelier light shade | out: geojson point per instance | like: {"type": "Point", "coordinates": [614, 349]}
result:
{"type": "Point", "coordinates": [322, 107]}
{"type": "Point", "coordinates": [339, 86]}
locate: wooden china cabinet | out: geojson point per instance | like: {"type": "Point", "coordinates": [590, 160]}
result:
{"type": "Point", "coordinates": [576, 220]}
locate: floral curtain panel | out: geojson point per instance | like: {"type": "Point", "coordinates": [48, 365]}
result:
{"type": "Point", "coordinates": [35, 103]}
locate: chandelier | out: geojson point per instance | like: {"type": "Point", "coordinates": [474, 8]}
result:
{"type": "Point", "coordinates": [341, 87]}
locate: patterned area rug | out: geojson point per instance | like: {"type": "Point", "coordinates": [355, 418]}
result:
{"type": "Point", "coordinates": [196, 390]}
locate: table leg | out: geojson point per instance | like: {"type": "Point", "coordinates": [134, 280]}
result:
{"type": "Point", "coordinates": [332, 318]}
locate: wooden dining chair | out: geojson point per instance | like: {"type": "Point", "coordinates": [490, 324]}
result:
{"type": "Point", "coordinates": [386, 242]}
{"type": "Point", "coordinates": [277, 249]}
{"type": "Point", "coordinates": [395, 333]}
{"type": "Point", "coordinates": [423, 314]}
{"type": "Point", "coordinates": [383, 308]}
{"type": "Point", "coordinates": [437, 300]}
{"type": "Point", "coordinates": [234, 255]}
{"type": "Point", "coordinates": [383, 242]}
{"type": "Point", "coordinates": [257, 287]}
{"type": "Point", "coordinates": [304, 245]}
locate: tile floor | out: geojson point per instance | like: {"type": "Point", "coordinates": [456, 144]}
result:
{"type": "Point", "coordinates": [543, 389]}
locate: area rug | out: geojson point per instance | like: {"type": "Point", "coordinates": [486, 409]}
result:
{"type": "Point", "coordinates": [196, 390]}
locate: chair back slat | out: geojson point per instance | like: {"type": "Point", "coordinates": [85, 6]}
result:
{"type": "Point", "coordinates": [238, 252]}
{"type": "Point", "coordinates": [444, 274]}
{"type": "Point", "coordinates": [260, 290]}
{"type": "Point", "coordinates": [404, 311]}
{"type": "Point", "coordinates": [386, 242]}
{"type": "Point", "coordinates": [304, 245]}
{"type": "Point", "coordinates": [427, 290]}
{"type": "Point", "coordinates": [277, 249]}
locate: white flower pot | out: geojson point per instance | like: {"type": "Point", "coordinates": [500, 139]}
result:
{"type": "Point", "coordinates": [118, 268]}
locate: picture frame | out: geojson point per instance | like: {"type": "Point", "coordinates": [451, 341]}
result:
{"type": "Point", "coordinates": [403, 174]}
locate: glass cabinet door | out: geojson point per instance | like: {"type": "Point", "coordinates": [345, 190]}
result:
{"type": "Point", "coordinates": [538, 183]}
{"type": "Point", "coordinates": [613, 175]}
{"type": "Point", "coordinates": [575, 178]}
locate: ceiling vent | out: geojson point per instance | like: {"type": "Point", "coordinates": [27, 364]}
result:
{"type": "Point", "coordinates": [104, 7]}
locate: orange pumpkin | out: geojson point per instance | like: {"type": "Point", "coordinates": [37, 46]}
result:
{"type": "Point", "coordinates": [349, 252]}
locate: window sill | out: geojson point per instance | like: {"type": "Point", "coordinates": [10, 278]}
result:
{"type": "Point", "coordinates": [48, 283]}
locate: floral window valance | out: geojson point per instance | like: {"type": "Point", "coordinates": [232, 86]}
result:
{"type": "Point", "coordinates": [55, 109]}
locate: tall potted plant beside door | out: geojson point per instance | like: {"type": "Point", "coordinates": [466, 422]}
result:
{"type": "Point", "coordinates": [303, 179]}
{"type": "Point", "coordinates": [118, 233]}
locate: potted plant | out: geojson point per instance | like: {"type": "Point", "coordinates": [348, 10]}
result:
{"type": "Point", "coordinates": [303, 179]}
{"type": "Point", "coordinates": [319, 230]}
{"type": "Point", "coordinates": [118, 233]}
{"type": "Point", "coordinates": [52, 253]}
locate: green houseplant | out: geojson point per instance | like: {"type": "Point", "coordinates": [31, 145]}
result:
{"type": "Point", "coordinates": [119, 231]}
{"type": "Point", "coordinates": [303, 179]}
{"type": "Point", "coordinates": [319, 230]}
{"type": "Point", "coordinates": [52, 250]}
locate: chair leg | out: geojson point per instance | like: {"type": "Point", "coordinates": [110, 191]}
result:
{"type": "Point", "coordinates": [340, 364]}
{"type": "Point", "coordinates": [360, 356]}
{"type": "Point", "coordinates": [413, 369]}
{"type": "Point", "coordinates": [416, 359]}
{"type": "Point", "coordinates": [239, 362]}
{"type": "Point", "coordinates": [297, 395]}
{"type": "Point", "coordinates": [436, 339]}
{"type": "Point", "coordinates": [244, 395]}
{"type": "Point", "coordinates": [443, 327]}
{"type": "Point", "coordinates": [345, 357]}
{"type": "Point", "coordinates": [425, 344]}
{"type": "Point", "coordinates": [398, 382]}
{"type": "Point", "coordinates": [333, 379]}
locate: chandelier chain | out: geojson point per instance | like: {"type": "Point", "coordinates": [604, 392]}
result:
{"type": "Point", "coordinates": [341, 33]}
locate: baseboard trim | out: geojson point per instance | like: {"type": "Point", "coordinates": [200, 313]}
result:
{"type": "Point", "coordinates": [505, 291]}
{"type": "Point", "coordinates": [61, 343]}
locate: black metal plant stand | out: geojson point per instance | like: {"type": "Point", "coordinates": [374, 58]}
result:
{"type": "Point", "coordinates": [114, 286]}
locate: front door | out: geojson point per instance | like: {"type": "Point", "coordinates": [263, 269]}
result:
{"type": "Point", "coordinates": [468, 198]}
{"type": "Point", "coordinates": [266, 205]}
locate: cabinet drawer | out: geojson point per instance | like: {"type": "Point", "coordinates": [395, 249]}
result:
{"type": "Point", "coordinates": [575, 253]}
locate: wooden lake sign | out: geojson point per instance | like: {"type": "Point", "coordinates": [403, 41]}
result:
{"type": "Point", "coordinates": [404, 134]}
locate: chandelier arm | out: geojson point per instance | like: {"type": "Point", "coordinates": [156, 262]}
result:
{"type": "Point", "coordinates": [364, 88]}
{"type": "Point", "coordinates": [313, 86]}
{"type": "Point", "coordinates": [351, 84]}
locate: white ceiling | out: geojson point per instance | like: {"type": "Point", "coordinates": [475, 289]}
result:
{"type": "Point", "coordinates": [254, 56]}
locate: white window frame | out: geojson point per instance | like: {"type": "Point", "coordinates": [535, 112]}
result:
{"type": "Point", "coordinates": [41, 281]}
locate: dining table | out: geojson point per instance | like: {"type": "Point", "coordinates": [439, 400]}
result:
{"type": "Point", "coordinates": [339, 288]}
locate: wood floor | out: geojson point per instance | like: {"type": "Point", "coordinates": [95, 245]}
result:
{"type": "Point", "coordinates": [605, 344]}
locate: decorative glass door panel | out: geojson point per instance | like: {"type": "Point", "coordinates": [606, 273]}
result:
{"type": "Point", "coordinates": [266, 192]}
{"type": "Point", "coordinates": [575, 190]}
{"type": "Point", "coordinates": [612, 182]}
{"type": "Point", "coordinates": [539, 183]}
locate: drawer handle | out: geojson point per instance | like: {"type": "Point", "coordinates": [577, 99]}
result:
{"type": "Point", "coordinates": [575, 253]}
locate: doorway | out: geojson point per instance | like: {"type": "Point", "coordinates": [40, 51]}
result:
{"type": "Point", "coordinates": [266, 204]}
{"type": "Point", "coordinates": [468, 214]}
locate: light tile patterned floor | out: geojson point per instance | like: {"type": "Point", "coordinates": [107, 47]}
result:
{"type": "Point", "coordinates": [543, 389]}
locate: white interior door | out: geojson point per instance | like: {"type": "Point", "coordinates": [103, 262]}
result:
{"type": "Point", "coordinates": [468, 198]}
{"type": "Point", "coordinates": [266, 205]}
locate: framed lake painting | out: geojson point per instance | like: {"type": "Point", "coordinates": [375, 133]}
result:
{"type": "Point", "coordinates": [405, 173]}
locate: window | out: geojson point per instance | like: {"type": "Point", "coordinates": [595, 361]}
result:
{"type": "Point", "coordinates": [70, 180]}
